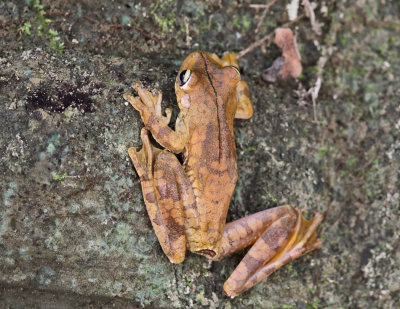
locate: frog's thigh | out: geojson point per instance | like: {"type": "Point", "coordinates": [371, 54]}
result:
{"type": "Point", "coordinates": [227, 60]}
{"type": "Point", "coordinates": [168, 219]}
{"type": "Point", "coordinates": [279, 235]}
{"type": "Point", "coordinates": [244, 108]}
{"type": "Point", "coordinates": [161, 187]}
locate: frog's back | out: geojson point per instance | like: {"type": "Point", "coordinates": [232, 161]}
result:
{"type": "Point", "coordinates": [205, 90]}
{"type": "Point", "coordinates": [212, 170]}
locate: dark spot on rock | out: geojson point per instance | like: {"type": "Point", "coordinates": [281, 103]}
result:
{"type": "Point", "coordinates": [366, 254]}
{"type": "Point", "coordinates": [71, 96]}
{"type": "Point", "coordinates": [37, 116]}
{"type": "Point", "coordinates": [59, 99]}
{"type": "Point", "coordinates": [39, 99]}
{"type": "Point", "coordinates": [40, 212]}
{"type": "Point", "coordinates": [13, 224]}
{"type": "Point", "coordinates": [3, 82]}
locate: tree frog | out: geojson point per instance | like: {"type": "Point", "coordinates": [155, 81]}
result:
{"type": "Point", "coordinates": [188, 202]}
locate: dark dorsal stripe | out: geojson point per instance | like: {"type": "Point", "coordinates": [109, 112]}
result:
{"type": "Point", "coordinates": [216, 104]}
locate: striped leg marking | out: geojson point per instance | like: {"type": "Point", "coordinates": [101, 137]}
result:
{"type": "Point", "coordinates": [279, 235]}
{"type": "Point", "coordinates": [163, 184]}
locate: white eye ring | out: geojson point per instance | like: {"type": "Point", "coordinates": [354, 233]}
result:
{"type": "Point", "coordinates": [184, 77]}
{"type": "Point", "coordinates": [236, 69]}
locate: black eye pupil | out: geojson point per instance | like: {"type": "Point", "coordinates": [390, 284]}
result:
{"type": "Point", "coordinates": [182, 80]}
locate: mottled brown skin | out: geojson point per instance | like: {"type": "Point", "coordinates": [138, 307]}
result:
{"type": "Point", "coordinates": [187, 203]}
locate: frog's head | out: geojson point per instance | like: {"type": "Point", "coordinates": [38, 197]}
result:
{"type": "Point", "coordinates": [203, 79]}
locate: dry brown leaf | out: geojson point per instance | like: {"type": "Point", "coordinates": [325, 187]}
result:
{"type": "Point", "coordinates": [290, 63]}
{"type": "Point", "coordinates": [285, 40]}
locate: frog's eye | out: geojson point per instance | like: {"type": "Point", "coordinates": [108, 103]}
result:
{"type": "Point", "coordinates": [184, 77]}
{"type": "Point", "coordinates": [236, 69]}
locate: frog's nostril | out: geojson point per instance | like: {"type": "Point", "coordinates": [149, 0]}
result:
{"type": "Point", "coordinates": [206, 252]}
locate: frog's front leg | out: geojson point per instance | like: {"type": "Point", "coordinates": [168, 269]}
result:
{"type": "Point", "coordinates": [279, 235]}
{"type": "Point", "coordinates": [167, 194]}
{"type": "Point", "coordinates": [149, 107]}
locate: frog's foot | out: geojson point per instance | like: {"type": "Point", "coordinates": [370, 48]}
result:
{"type": "Point", "coordinates": [244, 108]}
{"type": "Point", "coordinates": [280, 235]}
{"type": "Point", "coordinates": [143, 160]}
{"type": "Point", "coordinates": [229, 59]}
{"type": "Point", "coordinates": [148, 104]}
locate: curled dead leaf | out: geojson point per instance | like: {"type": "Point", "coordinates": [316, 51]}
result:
{"type": "Point", "coordinates": [274, 71]}
{"type": "Point", "coordinates": [285, 40]}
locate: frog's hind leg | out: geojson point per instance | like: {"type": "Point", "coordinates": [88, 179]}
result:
{"type": "Point", "coordinates": [280, 235]}
{"type": "Point", "coordinates": [244, 108]}
{"type": "Point", "coordinates": [143, 160]}
{"type": "Point", "coordinates": [161, 178]}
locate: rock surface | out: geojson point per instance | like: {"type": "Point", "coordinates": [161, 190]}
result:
{"type": "Point", "coordinates": [73, 228]}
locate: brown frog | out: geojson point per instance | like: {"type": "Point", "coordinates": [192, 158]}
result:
{"type": "Point", "coordinates": [188, 203]}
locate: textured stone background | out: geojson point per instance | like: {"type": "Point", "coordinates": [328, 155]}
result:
{"type": "Point", "coordinates": [73, 227]}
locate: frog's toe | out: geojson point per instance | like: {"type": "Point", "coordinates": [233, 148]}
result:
{"type": "Point", "coordinates": [135, 102]}
{"type": "Point", "coordinates": [230, 59]}
{"type": "Point", "coordinates": [168, 113]}
{"type": "Point", "coordinates": [147, 98]}
{"type": "Point", "coordinates": [137, 160]}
